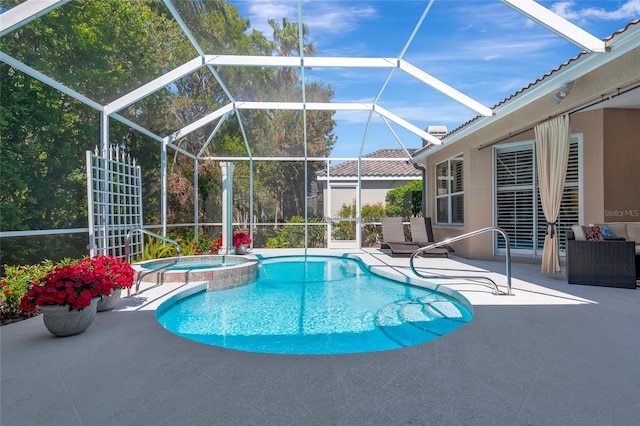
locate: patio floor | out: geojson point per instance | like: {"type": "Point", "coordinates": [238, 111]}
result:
{"type": "Point", "coordinates": [552, 354]}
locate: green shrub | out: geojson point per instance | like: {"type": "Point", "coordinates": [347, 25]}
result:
{"type": "Point", "coordinates": [345, 230]}
{"type": "Point", "coordinates": [292, 236]}
{"type": "Point", "coordinates": [155, 248]}
{"type": "Point", "coordinates": [15, 283]}
{"type": "Point", "coordinates": [405, 201]}
{"type": "Point", "coordinates": [371, 233]}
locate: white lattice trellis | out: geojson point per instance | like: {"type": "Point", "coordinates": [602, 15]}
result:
{"type": "Point", "coordinates": [114, 190]}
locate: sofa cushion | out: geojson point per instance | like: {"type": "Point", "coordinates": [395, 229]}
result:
{"type": "Point", "coordinates": [578, 233]}
{"type": "Point", "coordinates": [592, 233]}
{"type": "Point", "coordinates": [633, 232]}
{"type": "Point", "coordinates": [619, 228]}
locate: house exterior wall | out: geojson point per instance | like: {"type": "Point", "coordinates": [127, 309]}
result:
{"type": "Point", "coordinates": [621, 165]}
{"type": "Point", "coordinates": [610, 176]}
{"type": "Point", "coordinates": [590, 124]}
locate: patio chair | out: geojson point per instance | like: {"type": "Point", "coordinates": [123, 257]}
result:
{"type": "Point", "coordinates": [422, 234]}
{"type": "Point", "coordinates": [393, 237]}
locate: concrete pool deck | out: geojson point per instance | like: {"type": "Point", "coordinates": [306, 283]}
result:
{"type": "Point", "coordinates": [552, 354]}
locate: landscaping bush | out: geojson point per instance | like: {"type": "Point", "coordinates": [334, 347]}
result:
{"type": "Point", "coordinates": [293, 236]}
{"type": "Point", "coordinates": [15, 283]}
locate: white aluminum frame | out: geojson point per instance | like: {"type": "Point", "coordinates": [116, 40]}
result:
{"type": "Point", "coordinates": [31, 9]}
{"type": "Point", "coordinates": [114, 195]}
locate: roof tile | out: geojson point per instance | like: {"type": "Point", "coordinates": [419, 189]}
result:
{"type": "Point", "coordinates": [381, 168]}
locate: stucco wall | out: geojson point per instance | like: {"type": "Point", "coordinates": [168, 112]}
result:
{"type": "Point", "coordinates": [610, 176]}
{"type": "Point", "coordinates": [590, 124]}
{"type": "Point", "coordinates": [611, 164]}
{"type": "Point", "coordinates": [621, 165]}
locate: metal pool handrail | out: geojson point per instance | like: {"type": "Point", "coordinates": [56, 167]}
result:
{"type": "Point", "coordinates": [141, 275]}
{"type": "Point", "coordinates": [497, 291]}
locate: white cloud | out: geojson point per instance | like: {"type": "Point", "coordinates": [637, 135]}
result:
{"type": "Point", "coordinates": [322, 17]}
{"type": "Point", "coordinates": [571, 10]}
{"type": "Point", "coordinates": [260, 11]}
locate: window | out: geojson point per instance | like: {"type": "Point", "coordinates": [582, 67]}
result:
{"type": "Point", "coordinates": [450, 192]}
{"type": "Point", "coordinates": [517, 200]}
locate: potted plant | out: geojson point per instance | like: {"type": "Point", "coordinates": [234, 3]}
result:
{"type": "Point", "coordinates": [118, 274]}
{"type": "Point", "coordinates": [68, 295]}
{"type": "Point", "coordinates": [241, 241]}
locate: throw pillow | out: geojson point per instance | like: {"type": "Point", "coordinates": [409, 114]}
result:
{"type": "Point", "coordinates": [592, 233]}
{"type": "Point", "coordinates": [607, 232]}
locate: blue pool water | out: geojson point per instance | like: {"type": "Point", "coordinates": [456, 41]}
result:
{"type": "Point", "coordinates": [314, 305]}
{"type": "Point", "coordinates": [192, 264]}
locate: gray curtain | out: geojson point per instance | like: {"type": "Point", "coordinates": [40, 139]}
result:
{"type": "Point", "coordinates": [552, 153]}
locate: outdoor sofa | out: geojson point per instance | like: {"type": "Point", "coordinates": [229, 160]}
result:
{"type": "Point", "coordinates": [604, 254]}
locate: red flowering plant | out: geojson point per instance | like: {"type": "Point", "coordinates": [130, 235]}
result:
{"type": "Point", "coordinates": [76, 284]}
{"type": "Point", "coordinates": [217, 244]}
{"type": "Point", "coordinates": [203, 244]}
{"type": "Point", "coordinates": [118, 273]}
{"type": "Point", "coordinates": [240, 238]}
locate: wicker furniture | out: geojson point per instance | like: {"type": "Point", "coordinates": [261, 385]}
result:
{"type": "Point", "coordinates": [601, 263]}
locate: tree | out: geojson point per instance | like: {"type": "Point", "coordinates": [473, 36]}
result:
{"type": "Point", "coordinates": [106, 49]}
{"type": "Point", "coordinates": [405, 201]}
{"type": "Point", "coordinates": [100, 49]}
{"type": "Point", "coordinates": [44, 137]}
{"type": "Point", "coordinates": [286, 41]}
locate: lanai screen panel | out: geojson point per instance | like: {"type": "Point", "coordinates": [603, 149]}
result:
{"type": "Point", "coordinates": [274, 133]}
{"type": "Point", "coordinates": [260, 83]}
{"type": "Point", "coordinates": [108, 52]}
{"type": "Point", "coordinates": [177, 105]}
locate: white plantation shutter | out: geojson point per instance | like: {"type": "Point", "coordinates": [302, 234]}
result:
{"type": "Point", "coordinates": [518, 207]}
{"type": "Point", "coordinates": [515, 195]}
{"type": "Point", "coordinates": [457, 191]}
{"type": "Point", "coordinates": [450, 191]}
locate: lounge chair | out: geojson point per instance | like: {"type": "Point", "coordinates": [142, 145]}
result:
{"type": "Point", "coordinates": [393, 237]}
{"type": "Point", "coordinates": [422, 234]}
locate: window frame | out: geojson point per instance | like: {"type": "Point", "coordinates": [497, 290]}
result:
{"type": "Point", "coordinates": [538, 225]}
{"type": "Point", "coordinates": [450, 195]}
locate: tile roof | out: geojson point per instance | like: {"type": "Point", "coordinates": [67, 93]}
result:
{"type": "Point", "coordinates": [547, 75]}
{"type": "Point", "coordinates": [391, 169]}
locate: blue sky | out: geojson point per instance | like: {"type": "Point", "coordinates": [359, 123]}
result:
{"type": "Point", "coordinates": [482, 48]}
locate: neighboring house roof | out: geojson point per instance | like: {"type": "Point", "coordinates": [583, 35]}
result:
{"type": "Point", "coordinates": [376, 169]}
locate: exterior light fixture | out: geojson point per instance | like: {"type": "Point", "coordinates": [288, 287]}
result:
{"type": "Point", "coordinates": [562, 93]}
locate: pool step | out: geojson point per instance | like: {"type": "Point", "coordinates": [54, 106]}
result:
{"type": "Point", "coordinates": [405, 321]}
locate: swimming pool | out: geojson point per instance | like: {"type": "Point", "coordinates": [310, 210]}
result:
{"type": "Point", "coordinates": [315, 305]}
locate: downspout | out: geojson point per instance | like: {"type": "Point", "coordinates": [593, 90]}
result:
{"type": "Point", "coordinates": [424, 187]}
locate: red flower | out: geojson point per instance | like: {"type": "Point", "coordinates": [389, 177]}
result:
{"type": "Point", "coordinates": [76, 284]}
{"type": "Point", "coordinates": [240, 238]}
